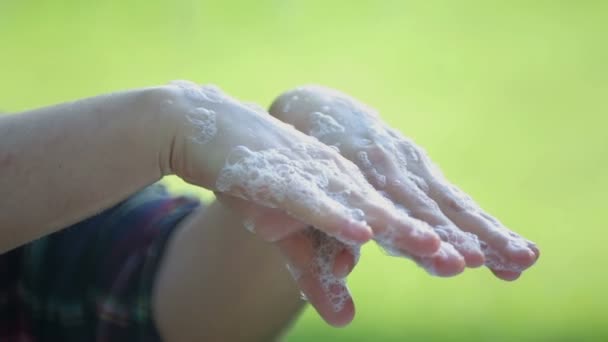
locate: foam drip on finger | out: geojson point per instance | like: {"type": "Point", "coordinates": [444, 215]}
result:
{"type": "Point", "coordinates": [326, 249]}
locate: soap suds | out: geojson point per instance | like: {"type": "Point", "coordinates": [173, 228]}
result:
{"type": "Point", "coordinates": [302, 174]}
{"type": "Point", "coordinates": [204, 122]}
{"type": "Point", "coordinates": [322, 124]}
{"type": "Point", "coordinates": [326, 249]}
{"type": "Point", "coordinates": [366, 135]}
{"type": "Point", "coordinates": [387, 239]}
{"type": "Point", "coordinates": [463, 241]}
{"type": "Point", "coordinates": [372, 173]}
{"type": "Point", "coordinates": [420, 183]}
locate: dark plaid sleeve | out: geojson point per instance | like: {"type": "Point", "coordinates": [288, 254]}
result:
{"type": "Point", "coordinates": [93, 281]}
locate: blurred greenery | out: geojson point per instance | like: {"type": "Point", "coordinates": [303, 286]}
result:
{"type": "Point", "coordinates": [509, 97]}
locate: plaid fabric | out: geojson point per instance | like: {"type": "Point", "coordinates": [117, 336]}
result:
{"type": "Point", "coordinates": [91, 281]}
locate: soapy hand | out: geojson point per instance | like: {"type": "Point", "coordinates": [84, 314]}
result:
{"type": "Point", "coordinates": [240, 150]}
{"type": "Point", "coordinates": [285, 183]}
{"type": "Point", "coordinates": [294, 182]}
{"type": "Point", "coordinates": [318, 262]}
{"type": "Point", "coordinates": [402, 171]}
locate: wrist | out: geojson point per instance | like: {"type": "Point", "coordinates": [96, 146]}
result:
{"type": "Point", "coordinates": [163, 103]}
{"type": "Point", "coordinates": [187, 129]}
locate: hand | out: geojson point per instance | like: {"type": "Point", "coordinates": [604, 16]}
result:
{"type": "Point", "coordinates": [318, 262]}
{"type": "Point", "coordinates": [402, 171]}
{"type": "Point", "coordinates": [242, 151]}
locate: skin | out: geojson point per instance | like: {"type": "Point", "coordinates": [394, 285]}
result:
{"type": "Point", "coordinates": [431, 198]}
{"type": "Point", "coordinates": [64, 160]}
{"type": "Point", "coordinates": [98, 151]}
{"type": "Point", "coordinates": [218, 282]}
{"type": "Point", "coordinates": [404, 173]}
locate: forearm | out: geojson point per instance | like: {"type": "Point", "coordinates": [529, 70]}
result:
{"type": "Point", "coordinates": [61, 164]}
{"type": "Point", "coordinates": [220, 282]}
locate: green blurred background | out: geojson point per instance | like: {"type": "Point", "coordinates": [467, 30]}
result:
{"type": "Point", "coordinates": [509, 97]}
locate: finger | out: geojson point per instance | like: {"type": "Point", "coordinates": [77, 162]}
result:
{"type": "Point", "coordinates": [331, 217]}
{"type": "Point", "coordinates": [310, 255]}
{"type": "Point", "coordinates": [334, 304]}
{"type": "Point", "coordinates": [387, 223]}
{"type": "Point", "coordinates": [506, 275]}
{"type": "Point", "coordinates": [398, 232]}
{"type": "Point", "coordinates": [420, 206]}
{"type": "Point", "coordinates": [271, 224]}
{"type": "Point", "coordinates": [293, 179]}
{"type": "Point", "coordinates": [275, 225]}
{"type": "Point", "coordinates": [503, 249]}
{"type": "Point", "coordinates": [447, 262]}
{"type": "Point", "coordinates": [344, 263]}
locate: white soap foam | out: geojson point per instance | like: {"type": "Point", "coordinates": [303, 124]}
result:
{"type": "Point", "coordinates": [357, 214]}
{"type": "Point", "coordinates": [386, 239]}
{"type": "Point", "coordinates": [303, 174]}
{"type": "Point", "coordinates": [463, 241]}
{"type": "Point", "coordinates": [326, 249]}
{"type": "Point", "coordinates": [460, 200]}
{"type": "Point", "coordinates": [322, 124]}
{"type": "Point", "coordinates": [414, 163]}
{"type": "Point", "coordinates": [419, 181]}
{"type": "Point", "coordinates": [495, 258]}
{"type": "Point", "coordinates": [368, 168]}
{"type": "Point", "coordinates": [413, 152]}
{"type": "Point", "coordinates": [204, 121]}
